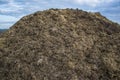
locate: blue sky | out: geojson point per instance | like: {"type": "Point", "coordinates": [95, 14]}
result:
{"type": "Point", "coordinates": [12, 10]}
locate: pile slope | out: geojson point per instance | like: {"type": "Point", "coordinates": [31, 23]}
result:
{"type": "Point", "coordinates": [61, 44]}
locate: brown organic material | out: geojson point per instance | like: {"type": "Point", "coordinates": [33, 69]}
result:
{"type": "Point", "coordinates": [61, 44]}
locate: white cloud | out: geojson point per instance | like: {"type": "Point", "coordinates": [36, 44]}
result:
{"type": "Point", "coordinates": [92, 3]}
{"type": "Point", "coordinates": [10, 6]}
{"type": "Point", "coordinates": [7, 21]}
{"type": "Point", "coordinates": [6, 18]}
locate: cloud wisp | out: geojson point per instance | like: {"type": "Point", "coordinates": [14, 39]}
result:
{"type": "Point", "coordinates": [92, 3]}
{"type": "Point", "coordinates": [7, 21]}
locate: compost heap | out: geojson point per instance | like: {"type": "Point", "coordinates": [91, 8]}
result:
{"type": "Point", "coordinates": [61, 44]}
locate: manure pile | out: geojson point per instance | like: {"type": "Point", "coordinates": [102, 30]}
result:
{"type": "Point", "coordinates": [61, 44]}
